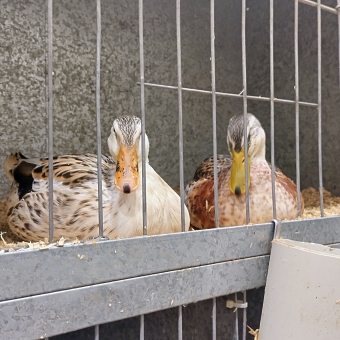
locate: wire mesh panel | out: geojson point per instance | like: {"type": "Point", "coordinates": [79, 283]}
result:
{"type": "Point", "coordinates": [120, 279]}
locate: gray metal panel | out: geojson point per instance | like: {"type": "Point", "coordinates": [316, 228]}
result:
{"type": "Point", "coordinates": [54, 313]}
{"type": "Point", "coordinates": [335, 245]}
{"type": "Point", "coordinates": [319, 230]}
{"type": "Point", "coordinates": [36, 272]}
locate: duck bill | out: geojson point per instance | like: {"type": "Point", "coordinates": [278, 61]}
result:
{"type": "Point", "coordinates": [238, 173]}
{"type": "Point", "coordinates": [126, 178]}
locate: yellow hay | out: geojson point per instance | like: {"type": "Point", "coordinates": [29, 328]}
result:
{"type": "Point", "coordinates": [310, 195]}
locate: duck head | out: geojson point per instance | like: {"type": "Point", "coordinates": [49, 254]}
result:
{"type": "Point", "coordinates": [256, 138]}
{"type": "Point", "coordinates": [125, 146]}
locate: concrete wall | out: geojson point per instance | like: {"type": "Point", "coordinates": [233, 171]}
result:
{"type": "Point", "coordinates": [23, 84]}
{"type": "Point", "coordinates": [24, 65]}
{"type": "Point", "coordinates": [23, 78]}
{"type": "Point", "coordinates": [258, 80]}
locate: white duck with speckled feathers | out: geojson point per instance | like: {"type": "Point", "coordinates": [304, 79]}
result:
{"type": "Point", "coordinates": [75, 189]}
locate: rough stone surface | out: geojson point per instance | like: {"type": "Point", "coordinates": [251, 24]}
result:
{"type": "Point", "coordinates": [23, 91]}
{"type": "Point", "coordinates": [23, 79]}
{"type": "Point", "coordinates": [24, 65]}
{"type": "Point", "coordinates": [284, 82]}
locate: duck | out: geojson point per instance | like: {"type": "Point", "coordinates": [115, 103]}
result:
{"type": "Point", "coordinates": [75, 192]}
{"type": "Point", "coordinates": [199, 192]}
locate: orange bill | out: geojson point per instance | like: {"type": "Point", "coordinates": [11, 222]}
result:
{"type": "Point", "coordinates": [126, 179]}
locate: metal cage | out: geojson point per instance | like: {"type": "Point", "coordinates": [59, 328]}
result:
{"type": "Point", "coordinates": [62, 289]}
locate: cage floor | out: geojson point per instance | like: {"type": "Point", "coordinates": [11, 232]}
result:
{"type": "Point", "coordinates": [312, 210]}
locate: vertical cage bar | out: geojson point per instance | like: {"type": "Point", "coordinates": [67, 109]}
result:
{"type": "Point", "coordinates": [213, 316]}
{"type": "Point", "coordinates": [180, 135]}
{"type": "Point", "coordinates": [141, 328]}
{"type": "Point", "coordinates": [213, 93]}
{"type": "Point", "coordinates": [99, 136]}
{"type": "Point", "coordinates": [338, 9]}
{"type": "Point", "coordinates": [272, 129]}
{"type": "Point", "coordinates": [50, 116]}
{"type": "Point", "coordinates": [245, 105]}
{"type": "Point", "coordinates": [96, 332]}
{"type": "Point", "coordinates": [180, 110]}
{"type": "Point", "coordinates": [180, 323]}
{"type": "Point", "coordinates": [142, 109]}
{"type": "Point", "coordinates": [244, 326]}
{"type": "Point", "coordinates": [319, 109]}
{"type": "Point", "coordinates": [297, 106]}
{"type": "Point", "coordinates": [236, 320]}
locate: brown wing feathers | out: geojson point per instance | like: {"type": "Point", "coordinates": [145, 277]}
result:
{"type": "Point", "coordinates": [71, 170]}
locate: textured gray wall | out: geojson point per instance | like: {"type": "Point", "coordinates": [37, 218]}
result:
{"type": "Point", "coordinates": [258, 78]}
{"type": "Point", "coordinates": [23, 91]}
{"type": "Point", "coordinates": [23, 77]}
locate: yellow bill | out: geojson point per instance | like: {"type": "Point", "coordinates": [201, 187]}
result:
{"type": "Point", "coordinates": [238, 175]}
{"type": "Point", "coordinates": [126, 178]}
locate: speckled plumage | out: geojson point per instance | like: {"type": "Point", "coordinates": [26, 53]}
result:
{"type": "Point", "coordinates": [75, 205]}
{"type": "Point", "coordinates": [232, 207]}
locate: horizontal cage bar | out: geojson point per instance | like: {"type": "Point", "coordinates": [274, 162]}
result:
{"type": "Point", "coordinates": [88, 264]}
{"type": "Point", "coordinates": [233, 95]}
{"type": "Point", "coordinates": [87, 306]}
